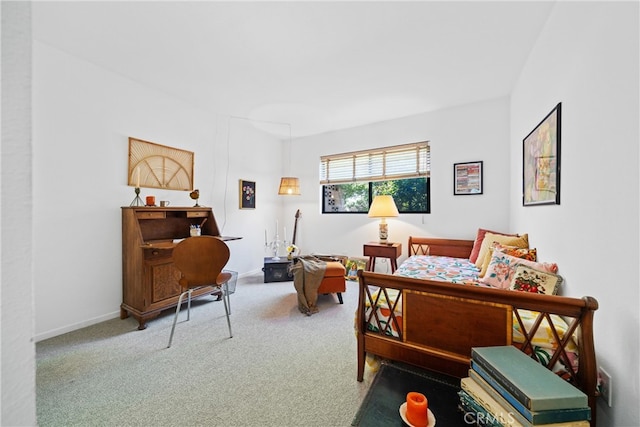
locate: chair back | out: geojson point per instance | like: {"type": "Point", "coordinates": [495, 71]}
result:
{"type": "Point", "coordinates": [200, 259]}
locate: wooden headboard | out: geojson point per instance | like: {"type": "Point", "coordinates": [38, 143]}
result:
{"type": "Point", "coordinates": [441, 247]}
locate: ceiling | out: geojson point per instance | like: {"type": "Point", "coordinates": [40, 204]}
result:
{"type": "Point", "coordinates": [316, 66]}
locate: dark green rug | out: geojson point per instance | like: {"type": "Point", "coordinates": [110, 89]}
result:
{"type": "Point", "coordinates": [389, 389]}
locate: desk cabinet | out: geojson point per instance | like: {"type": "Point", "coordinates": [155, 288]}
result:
{"type": "Point", "coordinates": [149, 277]}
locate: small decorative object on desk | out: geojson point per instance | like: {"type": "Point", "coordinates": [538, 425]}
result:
{"type": "Point", "coordinates": [195, 230]}
{"type": "Point", "coordinates": [137, 201]}
{"type": "Point", "coordinates": [195, 195]}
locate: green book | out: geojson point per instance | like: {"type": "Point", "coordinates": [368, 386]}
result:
{"type": "Point", "coordinates": [531, 383]}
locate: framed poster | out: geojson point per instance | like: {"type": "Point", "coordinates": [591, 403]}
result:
{"type": "Point", "coordinates": [467, 178]}
{"type": "Point", "coordinates": [247, 194]}
{"type": "Point", "coordinates": [541, 162]}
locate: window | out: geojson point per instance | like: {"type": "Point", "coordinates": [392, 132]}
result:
{"type": "Point", "coordinates": [351, 180]}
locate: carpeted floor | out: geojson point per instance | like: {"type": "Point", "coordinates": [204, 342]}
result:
{"type": "Point", "coordinates": [281, 368]}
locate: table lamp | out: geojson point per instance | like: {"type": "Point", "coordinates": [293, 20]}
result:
{"type": "Point", "coordinates": [383, 207]}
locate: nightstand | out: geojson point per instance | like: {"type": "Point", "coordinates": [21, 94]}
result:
{"type": "Point", "coordinates": [374, 250]}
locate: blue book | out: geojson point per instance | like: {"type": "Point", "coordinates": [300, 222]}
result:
{"type": "Point", "coordinates": [522, 414]}
{"type": "Point", "coordinates": [529, 382]}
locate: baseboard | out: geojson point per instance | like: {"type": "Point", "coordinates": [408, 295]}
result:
{"type": "Point", "coordinates": [70, 328]}
{"type": "Point", "coordinates": [74, 327]}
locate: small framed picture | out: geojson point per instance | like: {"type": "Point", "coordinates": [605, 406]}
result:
{"type": "Point", "coordinates": [247, 194]}
{"type": "Point", "coordinates": [467, 178]}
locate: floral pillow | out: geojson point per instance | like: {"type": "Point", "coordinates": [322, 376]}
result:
{"type": "Point", "coordinates": [502, 269]}
{"type": "Point", "coordinates": [526, 279]}
{"type": "Point", "coordinates": [515, 251]}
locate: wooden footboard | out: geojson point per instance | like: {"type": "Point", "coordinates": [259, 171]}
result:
{"type": "Point", "coordinates": [440, 323]}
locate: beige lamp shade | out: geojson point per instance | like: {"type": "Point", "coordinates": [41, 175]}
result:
{"type": "Point", "coordinates": [289, 186]}
{"type": "Point", "coordinates": [383, 207]}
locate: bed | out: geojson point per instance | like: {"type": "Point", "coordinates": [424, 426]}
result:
{"type": "Point", "coordinates": [433, 323]}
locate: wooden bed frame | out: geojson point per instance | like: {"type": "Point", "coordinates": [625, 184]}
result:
{"type": "Point", "coordinates": [442, 321]}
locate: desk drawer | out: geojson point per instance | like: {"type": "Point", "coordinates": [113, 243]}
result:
{"type": "Point", "coordinates": [151, 215]}
{"type": "Point", "coordinates": [153, 254]}
{"type": "Point", "coordinates": [383, 251]}
{"type": "Point", "coordinates": [197, 214]}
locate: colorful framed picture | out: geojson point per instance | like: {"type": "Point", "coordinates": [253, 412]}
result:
{"type": "Point", "coordinates": [352, 266]}
{"type": "Point", "coordinates": [541, 162]}
{"type": "Point", "coordinates": [467, 178]}
{"type": "Point", "coordinates": [247, 194]}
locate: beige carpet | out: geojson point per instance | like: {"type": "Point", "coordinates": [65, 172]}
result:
{"type": "Point", "coordinates": [281, 368]}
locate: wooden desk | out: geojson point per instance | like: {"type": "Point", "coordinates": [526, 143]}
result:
{"type": "Point", "coordinates": [374, 250]}
{"type": "Point", "coordinates": [149, 277]}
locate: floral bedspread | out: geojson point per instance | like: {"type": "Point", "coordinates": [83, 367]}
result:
{"type": "Point", "coordinates": [446, 269]}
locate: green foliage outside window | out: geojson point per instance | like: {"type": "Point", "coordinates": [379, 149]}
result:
{"type": "Point", "coordinates": [410, 195]}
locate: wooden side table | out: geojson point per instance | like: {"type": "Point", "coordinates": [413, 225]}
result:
{"type": "Point", "coordinates": [374, 250]}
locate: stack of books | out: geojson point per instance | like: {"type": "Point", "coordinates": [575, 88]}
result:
{"type": "Point", "coordinates": [505, 387]}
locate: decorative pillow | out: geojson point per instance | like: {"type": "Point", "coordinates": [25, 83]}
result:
{"type": "Point", "coordinates": [502, 269]}
{"type": "Point", "coordinates": [526, 279]}
{"type": "Point", "coordinates": [514, 251]}
{"type": "Point", "coordinates": [478, 242]}
{"type": "Point", "coordinates": [489, 238]}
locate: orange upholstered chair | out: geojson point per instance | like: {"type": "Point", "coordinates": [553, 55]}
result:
{"type": "Point", "coordinates": [334, 280]}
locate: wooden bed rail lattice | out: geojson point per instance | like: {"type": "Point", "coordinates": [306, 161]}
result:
{"type": "Point", "coordinates": [383, 327]}
{"type": "Point", "coordinates": [559, 353]}
{"type": "Point", "coordinates": [386, 337]}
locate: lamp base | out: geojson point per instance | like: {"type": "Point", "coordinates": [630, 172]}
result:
{"type": "Point", "coordinates": [383, 232]}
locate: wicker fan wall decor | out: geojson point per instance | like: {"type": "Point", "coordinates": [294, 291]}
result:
{"type": "Point", "coordinates": [159, 166]}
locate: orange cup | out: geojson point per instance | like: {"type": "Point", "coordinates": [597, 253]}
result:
{"type": "Point", "coordinates": [417, 409]}
{"type": "Point", "coordinates": [151, 200]}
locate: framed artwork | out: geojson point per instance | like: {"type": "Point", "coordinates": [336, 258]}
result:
{"type": "Point", "coordinates": [353, 265]}
{"type": "Point", "coordinates": [247, 194]}
{"type": "Point", "coordinates": [467, 178]}
{"type": "Point", "coordinates": [153, 165]}
{"type": "Point", "coordinates": [541, 162]}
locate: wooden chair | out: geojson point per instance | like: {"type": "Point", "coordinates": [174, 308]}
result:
{"type": "Point", "coordinates": [200, 260]}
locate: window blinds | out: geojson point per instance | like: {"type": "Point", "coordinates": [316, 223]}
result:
{"type": "Point", "coordinates": [380, 164]}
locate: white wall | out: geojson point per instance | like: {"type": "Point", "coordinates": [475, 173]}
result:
{"type": "Point", "coordinates": [468, 133]}
{"type": "Point", "coordinates": [82, 118]}
{"type": "Point", "coordinates": [587, 58]}
{"type": "Point", "coordinates": [18, 401]}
